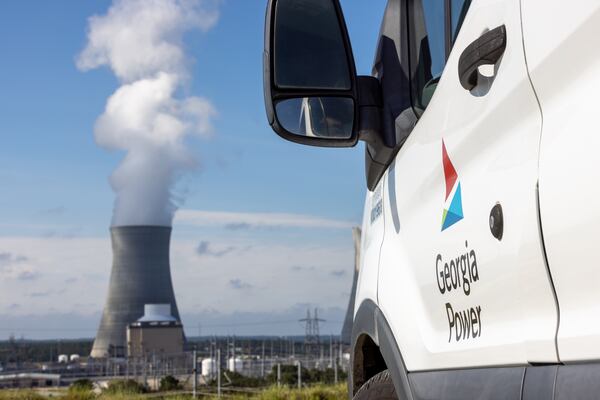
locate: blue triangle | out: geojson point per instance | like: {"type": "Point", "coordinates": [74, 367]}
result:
{"type": "Point", "coordinates": [456, 205]}
{"type": "Point", "coordinates": [450, 220]}
{"type": "Point", "coordinates": [455, 212]}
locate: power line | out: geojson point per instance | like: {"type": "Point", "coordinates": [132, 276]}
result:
{"type": "Point", "coordinates": [233, 324]}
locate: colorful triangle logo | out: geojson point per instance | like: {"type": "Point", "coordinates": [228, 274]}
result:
{"type": "Point", "coordinates": [452, 212]}
{"type": "Point", "coordinates": [449, 171]}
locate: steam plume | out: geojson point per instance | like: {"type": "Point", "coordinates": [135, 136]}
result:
{"type": "Point", "coordinates": [141, 42]}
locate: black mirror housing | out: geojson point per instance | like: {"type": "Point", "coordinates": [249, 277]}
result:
{"type": "Point", "coordinates": [312, 93]}
{"type": "Point", "coordinates": [316, 75]}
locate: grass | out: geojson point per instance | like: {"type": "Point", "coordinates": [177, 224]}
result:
{"type": "Point", "coordinates": [317, 392]}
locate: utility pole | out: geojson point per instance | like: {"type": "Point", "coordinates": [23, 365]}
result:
{"type": "Point", "coordinates": [335, 372]}
{"type": "Point", "coordinates": [299, 374]}
{"type": "Point", "coordinates": [144, 372]}
{"type": "Point", "coordinates": [195, 383]}
{"type": "Point", "coordinates": [233, 355]}
{"type": "Point", "coordinates": [210, 354]}
{"type": "Point", "coordinates": [219, 373]}
{"type": "Point", "coordinates": [228, 348]}
{"type": "Point", "coordinates": [154, 367]}
{"type": "Point", "coordinates": [340, 346]}
{"type": "Point", "coordinates": [107, 366]}
{"type": "Point", "coordinates": [262, 366]}
{"type": "Point", "coordinates": [278, 374]}
{"type": "Point", "coordinates": [331, 351]}
{"type": "Point", "coordinates": [320, 354]}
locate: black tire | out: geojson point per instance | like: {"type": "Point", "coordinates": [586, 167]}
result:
{"type": "Point", "coordinates": [379, 387]}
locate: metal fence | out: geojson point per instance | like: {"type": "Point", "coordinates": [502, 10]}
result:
{"type": "Point", "coordinates": [151, 368]}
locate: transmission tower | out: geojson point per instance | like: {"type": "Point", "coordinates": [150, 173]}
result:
{"type": "Point", "coordinates": [312, 340]}
{"type": "Point", "coordinates": [316, 321]}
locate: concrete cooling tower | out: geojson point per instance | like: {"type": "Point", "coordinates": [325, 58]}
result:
{"type": "Point", "coordinates": [140, 275]}
{"type": "Point", "coordinates": [346, 335]}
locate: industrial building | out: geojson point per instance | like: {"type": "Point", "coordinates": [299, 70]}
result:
{"type": "Point", "coordinates": [140, 275]}
{"type": "Point", "coordinates": [28, 380]}
{"type": "Point", "coordinates": [156, 333]}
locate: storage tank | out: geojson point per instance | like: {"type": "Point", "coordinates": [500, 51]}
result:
{"type": "Point", "coordinates": [63, 358]}
{"type": "Point", "coordinates": [140, 275]}
{"type": "Point", "coordinates": [74, 357]}
{"type": "Point", "coordinates": [235, 364]}
{"type": "Point", "coordinates": [209, 368]}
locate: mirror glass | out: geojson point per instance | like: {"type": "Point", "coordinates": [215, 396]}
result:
{"type": "Point", "coordinates": [321, 117]}
{"type": "Point", "coordinates": [309, 50]}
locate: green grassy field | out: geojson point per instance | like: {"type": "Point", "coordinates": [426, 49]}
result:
{"type": "Point", "coordinates": [317, 392]}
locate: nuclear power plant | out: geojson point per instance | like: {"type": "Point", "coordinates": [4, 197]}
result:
{"type": "Point", "coordinates": [140, 275]}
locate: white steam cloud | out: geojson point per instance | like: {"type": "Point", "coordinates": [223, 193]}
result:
{"type": "Point", "coordinates": [141, 42]}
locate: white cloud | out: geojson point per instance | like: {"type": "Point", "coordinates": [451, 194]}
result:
{"type": "Point", "coordinates": [260, 276]}
{"type": "Point", "coordinates": [211, 322]}
{"type": "Point", "coordinates": [145, 113]}
{"type": "Point", "coordinates": [48, 262]}
{"type": "Point", "coordinates": [267, 268]}
{"type": "Point", "coordinates": [16, 267]}
{"type": "Point", "coordinates": [136, 38]}
{"type": "Point", "coordinates": [149, 117]}
{"type": "Point", "coordinates": [241, 220]}
{"type": "Point", "coordinates": [144, 119]}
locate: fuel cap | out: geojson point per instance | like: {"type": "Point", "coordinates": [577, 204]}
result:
{"type": "Point", "coordinates": [497, 221]}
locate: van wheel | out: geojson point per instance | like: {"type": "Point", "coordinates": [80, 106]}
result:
{"type": "Point", "coordinates": [379, 387]}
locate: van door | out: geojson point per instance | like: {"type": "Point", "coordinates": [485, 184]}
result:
{"type": "Point", "coordinates": [373, 230]}
{"type": "Point", "coordinates": [458, 290]}
{"type": "Point", "coordinates": [564, 63]}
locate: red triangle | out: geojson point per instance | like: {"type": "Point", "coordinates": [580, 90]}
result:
{"type": "Point", "coordinates": [449, 171]}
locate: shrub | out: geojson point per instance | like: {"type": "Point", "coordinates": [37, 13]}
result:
{"type": "Point", "coordinates": [81, 385]}
{"type": "Point", "coordinates": [20, 395]}
{"type": "Point", "coordinates": [289, 375]}
{"type": "Point", "coordinates": [168, 383]}
{"type": "Point", "coordinates": [128, 386]}
{"type": "Point", "coordinates": [235, 379]}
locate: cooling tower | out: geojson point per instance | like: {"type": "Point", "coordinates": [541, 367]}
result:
{"type": "Point", "coordinates": [140, 275]}
{"type": "Point", "coordinates": [346, 335]}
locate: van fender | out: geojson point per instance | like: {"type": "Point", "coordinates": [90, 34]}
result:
{"type": "Point", "coordinates": [370, 325]}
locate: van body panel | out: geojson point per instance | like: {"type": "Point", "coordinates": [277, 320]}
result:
{"type": "Point", "coordinates": [454, 295]}
{"type": "Point", "coordinates": [561, 43]}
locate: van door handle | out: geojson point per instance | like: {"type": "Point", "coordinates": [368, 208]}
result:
{"type": "Point", "coordinates": [485, 50]}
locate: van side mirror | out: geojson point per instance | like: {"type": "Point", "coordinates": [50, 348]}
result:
{"type": "Point", "coordinates": [310, 82]}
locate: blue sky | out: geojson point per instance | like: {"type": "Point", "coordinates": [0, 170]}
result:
{"type": "Point", "coordinates": [56, 194]}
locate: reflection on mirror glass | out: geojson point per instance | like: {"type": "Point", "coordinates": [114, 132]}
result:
{"type": "Point", "coordinates": [309, 49]}
{"type": "Point", "coordinates": [323, 117]}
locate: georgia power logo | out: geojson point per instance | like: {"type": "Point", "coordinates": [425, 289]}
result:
{"type": "Point", "coordinates": [453, 211]}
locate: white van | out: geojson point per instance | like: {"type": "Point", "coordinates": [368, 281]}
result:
{"type": "Point", "coordinates": [479, 277]}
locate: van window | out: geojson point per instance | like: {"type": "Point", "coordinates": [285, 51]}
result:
{"type": "Point", "coordinates": [458, 10]}
{"type": "Point", "coordinates": [433, 27]}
